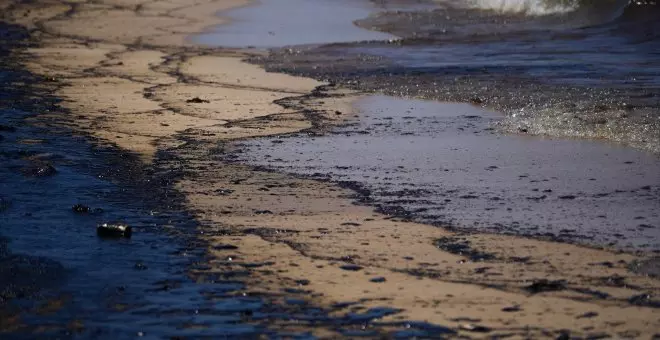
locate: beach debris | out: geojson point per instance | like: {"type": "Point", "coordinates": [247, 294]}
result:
{"type": "Point", "coordinates": [114, 230]}
{"type": "Point", "coordinates": [545, 285]}
{"type": "Point", "coordinates": [80, 209]}
{"type": "Point", "coordinates": [197, 100]}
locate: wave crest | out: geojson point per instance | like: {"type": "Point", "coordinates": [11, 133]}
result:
{"type": "Point", "coordinates": [545, 7]}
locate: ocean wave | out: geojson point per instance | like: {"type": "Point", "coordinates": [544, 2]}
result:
{"type": "Point", "coordinates": [545, 7]}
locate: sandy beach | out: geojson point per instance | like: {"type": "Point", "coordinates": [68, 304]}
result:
{"type": "Point", "coordinates": [130, 75]}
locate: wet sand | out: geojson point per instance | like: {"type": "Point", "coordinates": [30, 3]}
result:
{"type": "Point", "coordinates": [443, 164]}
{"type": "Point", "coordinates": [131, 78]}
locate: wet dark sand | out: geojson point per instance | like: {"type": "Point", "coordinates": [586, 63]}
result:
{"type": "Point", "coordinates": [444, 164]}
{"type": "Point", "coordinates": [57, 277]}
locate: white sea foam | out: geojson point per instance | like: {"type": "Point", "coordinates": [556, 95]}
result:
{"type": "Point", "coordinates": [543, 7]}
{"type": "Point", "coordinates": [532, 7]}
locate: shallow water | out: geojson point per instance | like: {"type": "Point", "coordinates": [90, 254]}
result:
{"type": "Point", "coordinates": [271, 23]}
{"type": "Point", "coordinates": [591, 73]}
{"type": "Point", "coordinates": [442, 164]}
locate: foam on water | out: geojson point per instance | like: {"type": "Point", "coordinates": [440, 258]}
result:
{"type": "Point", "coordinates": [536, 7]}
{"type": "Point", "coordinates": [546, 7]}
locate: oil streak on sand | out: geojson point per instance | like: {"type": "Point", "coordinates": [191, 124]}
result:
{"type": "Point", "coordinates": [131, 78]}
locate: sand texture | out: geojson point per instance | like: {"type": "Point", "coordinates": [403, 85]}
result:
{"type": "Point", "coordinates": [129, 77]}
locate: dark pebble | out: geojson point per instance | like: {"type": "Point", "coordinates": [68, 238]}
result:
{"type": "Point", "coordinates": [80, 209]}
{"type": "Point", "coordinates": [263, 212]}
{"type": "Point", "coordinates": [225, 247]}
{"type": "Point", "coordinates": [567, 197]}
{"type": "Point", "coordinates": [351, 267]}
{"type": "Point", "coordinates": [378, 279]}
{"type": "Point", "coordinates": [512, 309]}
{"type": "Point", "coordinates": [351, 224]}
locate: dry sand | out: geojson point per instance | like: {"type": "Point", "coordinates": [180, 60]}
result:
{"type": "Point", "coordinates": [130, 78]}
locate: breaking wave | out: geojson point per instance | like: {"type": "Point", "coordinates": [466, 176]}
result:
{"type": "Point", "coordinates": [544, 7]}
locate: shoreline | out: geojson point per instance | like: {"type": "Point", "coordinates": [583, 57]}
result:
{"type": "Point", "coordinates": [134, 93]}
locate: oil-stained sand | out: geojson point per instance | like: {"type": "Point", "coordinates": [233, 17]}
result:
{"type": "Point", "coordinates": [444, 165]}
{"type": "Point", "coordinates": [143, 88]}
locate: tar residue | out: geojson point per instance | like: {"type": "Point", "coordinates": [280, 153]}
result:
{"type": "Point", "coordinates": [59, 279]}
{"type": "Point", "coordinates": [443, 164]}
{"type": "Point", "coordinates": [576, 75]}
